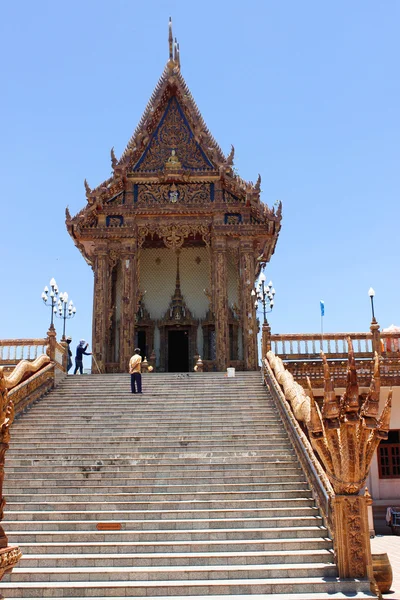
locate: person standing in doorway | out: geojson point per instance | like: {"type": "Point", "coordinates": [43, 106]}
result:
{"type": "Point", "coordinates": [134, 369]}
{"type": "Point", "coordinates": [80, 351]}
{"type": "Point", "coordinates": [69, 363]}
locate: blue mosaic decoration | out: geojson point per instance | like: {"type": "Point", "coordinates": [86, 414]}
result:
{"type": "Point", "coordinates": [173, 133]}
{"type": "Point", "coordinates": [114, 221]}
{"type": "Point", "coordinates": [232, 218]}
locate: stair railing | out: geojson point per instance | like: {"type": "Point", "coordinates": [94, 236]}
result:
{"type": "Point", "coordinates": [345, 433]}
{"type": "Point", "coordinates": [27, 380]}
{"type": "Point", "coordinates": [313, 470]}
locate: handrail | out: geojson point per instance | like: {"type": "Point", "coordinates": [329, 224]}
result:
{"type": "Point", "coordinates": [25, 393]}
{"type": "Point", "coordinates": [312, 467]}
{"type": "Point", "coordinates": [14, 350]}
{"type": "Point", "coordinates": [24, 368]}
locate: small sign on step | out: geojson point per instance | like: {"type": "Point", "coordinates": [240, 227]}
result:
{"type": "Point", "coordinates": [108, 526]}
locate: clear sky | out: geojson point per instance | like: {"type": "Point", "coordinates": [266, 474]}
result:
{"type": "Point", "coordinates": [307, 91]}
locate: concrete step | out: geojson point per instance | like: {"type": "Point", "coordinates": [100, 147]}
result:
{"type": "Point", "coordinates": [358, 595]}
{"type": "Point", "coordinates": [168, 524]}
{"type": "Point", "coordinates": [113, 496]}
{"type": "Point", "coordinates": [150, 478]}
{"type": "Point", "coordinates": [184, 505]}
{"type": "Point", "coordinates": [173, 471]}
{"type": "Point", "coordinates": [304, 585]}
{"type": "Point", "coordinates": [176, 558]}
{"type": "Point", "coordinates": [166, 573]}
{"type": "Point", "coordinates": [150, 515]}
{"type": "Point", "coordinates": [160, 488]}
{"type": "Point", "coordinates": [188, 460]}
{"type": "Point", "coordinates": [302, 544]}
{"type": "Point", "coordinates": [149, 535]}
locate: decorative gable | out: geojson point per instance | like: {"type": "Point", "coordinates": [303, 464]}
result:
{"type": "Point", "coordinates": [173, 138]}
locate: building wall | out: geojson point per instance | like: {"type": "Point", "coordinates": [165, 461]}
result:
{"type": "Point", "coordinates": [386, 489]}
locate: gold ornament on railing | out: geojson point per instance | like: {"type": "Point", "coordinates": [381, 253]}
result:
{"type": "Point", "coordinates": [9, 556]}
{"type": "Point", "coordinates": [347, 431]}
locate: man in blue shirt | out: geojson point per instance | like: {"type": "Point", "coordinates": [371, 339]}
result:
{"type": "Point", "coordinates": [80, 351]}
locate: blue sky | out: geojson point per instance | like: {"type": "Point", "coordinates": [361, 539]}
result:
{"type": "Point", "coordinates": [308, 93]}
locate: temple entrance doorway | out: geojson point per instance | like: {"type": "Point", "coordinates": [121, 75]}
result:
{"type": "Point", "coordinates": [141, 343]}
{"type": "Point", "coordinates": [178, 350]}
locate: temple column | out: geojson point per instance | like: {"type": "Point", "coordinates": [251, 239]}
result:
{"type": "Point", "coordinates": [247, 278]}
{"type": "Point", "coordinates": [100, 310]}
{"type": "Point", "coordinates": [220, 293]}
{"type": "Point", "coordinates": [128, 307]}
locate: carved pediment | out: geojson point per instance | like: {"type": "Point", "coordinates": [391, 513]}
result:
{"type": "Point", "coordinates": [172, 145]}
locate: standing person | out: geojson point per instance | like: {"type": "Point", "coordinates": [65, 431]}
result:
{"type": "Point", "coordinates": [134, 369]}
{"type": "Point", "coordinates": [69, 362]}
{"type": "Point", "coordinates": [80, 351]}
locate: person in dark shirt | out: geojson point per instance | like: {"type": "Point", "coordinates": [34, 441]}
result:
{"type": "Point", "coordinates": [69, 365]}
{"type": "Point", "coordinates": [80, 351]}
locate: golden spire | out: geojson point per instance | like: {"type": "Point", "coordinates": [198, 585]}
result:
{"type": "Point", "coordinates": [170, 40]}
{"type": "Point", "coordinates": [174, 60]}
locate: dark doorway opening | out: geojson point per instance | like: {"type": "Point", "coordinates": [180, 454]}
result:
{"type": "Point", "coordinates": [141, 343]}
{"type": "Point", "coordinates": [178, 350]}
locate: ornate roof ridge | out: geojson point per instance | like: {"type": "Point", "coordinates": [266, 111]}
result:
{"type": "Point", "coordinates": [149, 106]}
{"type": "Point", "coordinates": [172, 69]}
{"type": "Point", "coordinates": [156, 97]}
{"type": "Point", "coordinates": [173, 78]}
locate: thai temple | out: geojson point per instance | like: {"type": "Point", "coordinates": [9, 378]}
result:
{"type": "Point", "coordinates": [176, 240]}
{"type": "Point", "coordinates": [232, 475]}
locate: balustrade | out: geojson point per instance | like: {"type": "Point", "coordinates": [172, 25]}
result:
{"type": "Point", "coordinates": [13, 351]}
{"type": "Point", "coordinates": [301, 354]}
{"type": "Point", "coordinates": [294, 346]}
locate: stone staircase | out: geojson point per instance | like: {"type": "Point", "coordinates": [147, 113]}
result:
{"type": "Point", "coordinates": [191, 489]}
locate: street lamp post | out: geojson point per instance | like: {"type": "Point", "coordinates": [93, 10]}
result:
{"type": "Point", "coordinates": [64, 310]}
{"type": "Point", "coordinates": [374, 327]}
{"type": "Point", "coordinates": [371, 294]}
{"type": "Point", "coordinates": [265, 295]}
{"type": "Point", "coordinates": [51, 294]}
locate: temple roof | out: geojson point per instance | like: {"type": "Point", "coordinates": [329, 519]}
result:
{"type": "Point", "coordinates": [172, 166]}
{"type": "Point", "coordinates": [171, 125]}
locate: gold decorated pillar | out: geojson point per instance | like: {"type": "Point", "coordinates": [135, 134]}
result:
{"type": "Point", "coordinates": [247, 278]}
{"type": "Point", "coordinates": [220, 290]}
{"type": "Point", "coordinates": [128, 307]}
{"type": "Point", "coordinates": [352, 539]}
{"type": "Point", "coordinates": [100, 310]}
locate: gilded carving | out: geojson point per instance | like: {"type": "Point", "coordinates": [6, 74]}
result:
{"type": "Point", "coordinates": [173, 235]}
{"type": "Point", "coordinates": [247, 306]}
{"type": "Point", "coordinates": [173, 193]}
{"type": "Point", "coordinates": [344, 439]}
{"type": "Point", "coordinates": [221, 305]}
{"type": "Point", "coordinates": [173, 134]}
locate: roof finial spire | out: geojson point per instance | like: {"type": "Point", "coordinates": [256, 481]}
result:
{"type": "Point", "coordinates": [170, 40]}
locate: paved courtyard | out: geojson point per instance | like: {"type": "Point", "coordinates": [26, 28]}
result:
{"type": "Point", "coordinates": [391, 545]}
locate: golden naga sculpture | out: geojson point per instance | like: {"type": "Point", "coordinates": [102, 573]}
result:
{"type": "Point", "coordinates": [10, 555]}
{"type": "Point", "coordinates": [293, 391]}
{"type": "Point", "coordinates": [346, 432]}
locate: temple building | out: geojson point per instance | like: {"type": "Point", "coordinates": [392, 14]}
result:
{"type": "Point", "coordinates": [176, 240]}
